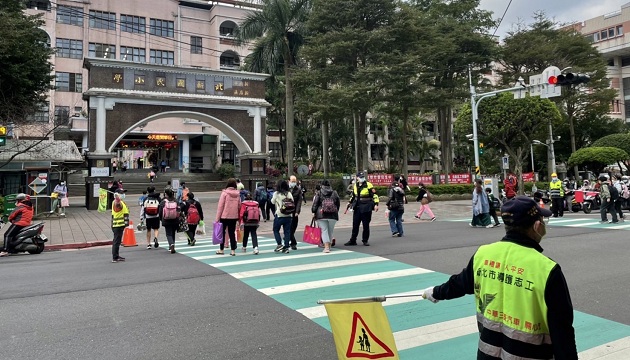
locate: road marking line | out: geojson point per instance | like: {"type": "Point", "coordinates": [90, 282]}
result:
{"type": "Point", "coordinates": [614, 350]}
{"type": "Point", "coordinates": [554, 221]}
{"type": "Point", "coordinates": [583, 224]}
{"type": "Point", "coordinates": [306, 267]}
{"type": "Point", "coordinates": [619, 227]}
{"type": "Point", "coordinates": [319, 310]}
{"type": "Point", "coordinates": [192, 249]}
{"type": "Point", "coordinates": [279, 257]}
{"type": "Point", "coordinates": [433, 333]}
{"type": "Point", "coordinates": [342, 281]}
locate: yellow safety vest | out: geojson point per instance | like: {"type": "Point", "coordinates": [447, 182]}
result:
{"type": "Point", "coordinates": [556, 189]}
{"type": "Point", "coordinates": [510, 282]}
{"type": "Point", "coordinates": [119, 218]}
{"type": "Point", "coordinates": [366, 193]}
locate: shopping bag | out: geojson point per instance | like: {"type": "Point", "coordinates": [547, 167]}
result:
{"type": "Point", "coordinates": [239, 235]}
{"type": "Point", "coordinates": [54, 195]}
{"type": "Point", "coordinates": [312, 234]}
{"type": "Point", "coordinates": [217, 233]}
{"type": "Point", "coordinates": [182, 226]}
{"type": "Point", "coordinates": [201, 228]}
{"type": "Point", "coordinates": [65, 202]}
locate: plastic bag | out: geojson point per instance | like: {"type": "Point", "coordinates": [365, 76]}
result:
{"type": "Point", "coordinates": [201, 228]}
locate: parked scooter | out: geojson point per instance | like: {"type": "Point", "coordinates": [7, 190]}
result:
{"type": "Point", "coordinates": [592, 201]}
{"type": "Point", "coordinates": [30, 239]}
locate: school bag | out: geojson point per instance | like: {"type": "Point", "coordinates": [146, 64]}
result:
{"type": "Point", "coordinates": [262, 195]}
{"type": "Point", "coordinates": [251, 214]}
{"type": "Point", "coordinates": [614, 193]}
{"type": "Point", "coordinates": [193, 215]}
{"type": "Point", "coordinates": [151, 206]}
{"type": "Point", "coordinates": [328, 205]}
{"type": "Point", "coordinates": [288, 206]}
{"type": "Point", "coordinates": [625, 192]}
{"type": "Point", "coordinates": [169, 211]}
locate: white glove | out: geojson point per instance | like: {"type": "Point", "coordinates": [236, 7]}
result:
{"type": "Point", "coordinates": [428, 294]}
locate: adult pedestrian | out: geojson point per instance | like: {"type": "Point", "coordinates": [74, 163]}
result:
{"type": "Point", "coordinates": [423, 197]}
{"type": "Point", "coordinates": [260, 195]}
{"type": "Point", "coordinates": [494, 205]}
{"type": "Point", "coordinates": [296, 192]}
{"type": "Point", "coordinates": [270, 206]}
{"type": "Point", "coordinates": [621, 189]}
{"type": "Point", "coordinates": [249, 217]}
{"type": "Point", "coordinates": [151, 214]}
{"type": "Point", "coordinates": [61, 192]}
{"type": "Point", "coordinates": [539, 325]}
{"type": "Point", "coordinates": [227, 214]}
{"type": "Point", "coordinates": [114, 166]}
{"type": "Point", "coordinates": [194, 214]}
{"type": "Point", "coordinates": [325, 209]}
{"type": "Point", "coordinates": [120, 220]}
{"type": "Point", "coordinates": [20, 217]}
{"type": "Point", "coordinates": [396, 207]}
{"type": "Point", "coordinates": [163, 165]}
{"type": "Point", "coordinates": [556, 191]}
{"type": "Point", "coordinates": [511, 185]}
{"type": "Point", "coordinates": [304, 190]}
{"type": "Point", "coordinates": [169, 216]}
{"type": "Point", "coordinates": [364, 200]}
{"type": "Point", "coordinates": [281, 200]}
{"type": "Point", "coordinates": [480, 206]}
{"type": "Point", "coordinates": [608, 201]}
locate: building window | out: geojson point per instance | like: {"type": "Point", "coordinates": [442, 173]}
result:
{"type": "Point", "coordinates": [228, 153]}
{"type": "Point", "coordinates": [378, 151]}
{"type": "Point", "coordinates": [62, 115]}
{"type": "Point", "coordinates": [161, 57]}
{"type": "Point", "coordinates": [274, 149]}
{"type": "Point", "coordinates": [38, 5]}
{"type": "Point", "coordinates": [42, 115]}
{"type": "Point", "coordinates": [195, 45]}
{"type": "Point", "coordinates": [70, 15]}
{"type": "Point", "coordinates": [68, 82]}
{"type": "Point", "coordinates": [619, 30]}
{"type": "Point", "coordinates": [625, 61]}
{"type": "Point", "coordinates": [102, 20]}
{"type": "Point", "coordinates": [104, 51]}
{"type": "Point", "coordinates": [133, 54]}
{"type": "Point", "coordinates": [68, 48]}
{"type": "Point", "coordinates": [227, 28]}
{"type": "Point", "coordinates": [229, 60]}
{"type": "Point", "coordinates": [161, 28]}
{"type": "Point", "coordinates": [133, 24]}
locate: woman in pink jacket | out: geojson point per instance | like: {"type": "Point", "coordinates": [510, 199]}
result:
{"type": "Point", "coordinates": [227, 213]}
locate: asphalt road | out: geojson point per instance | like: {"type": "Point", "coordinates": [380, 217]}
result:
{"type": "Point", "coordinates": [78, 305]}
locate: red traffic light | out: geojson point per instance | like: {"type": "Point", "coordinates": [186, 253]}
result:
{"type": "Point", "coordinates": [552, 80]}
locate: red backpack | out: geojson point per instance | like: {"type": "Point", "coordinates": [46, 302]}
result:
{"type": "Point", "coordinates": [193, 215]}
{"type": "Point", "coordinates": [251, 214]}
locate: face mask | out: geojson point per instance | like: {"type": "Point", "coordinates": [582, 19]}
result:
{"type": "Point", "coordinates": [543, 232]}
{"type": "Point", "coordinates": [361, 179]}
{"type": "Point", "coordinates": [63, 183]}
{"type": "Point", "coordinates": [292, 184]}
{"type": "Point", "coordinates": [554, 179]}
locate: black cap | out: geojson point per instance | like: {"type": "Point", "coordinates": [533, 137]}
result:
{"type": "Point", "coordinates": [522, 211]}
{"type": "Point", "coordinates": [360, 174]}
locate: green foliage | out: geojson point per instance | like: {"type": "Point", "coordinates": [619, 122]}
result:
{"type": "Point", "coordinates": [25, 68]}
{"type": "Point", "coordinates": [457, 189]}
{"type": "Point", "coordinates": [226, 171]}
{"type": "Point", "coordinates": [597, 158]}
{"type": "Point", "coordinates": [620, 141]}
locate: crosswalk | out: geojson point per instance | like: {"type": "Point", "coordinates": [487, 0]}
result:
{"type": "Point", "coordinates": [579, 222]}
{"type": "Point", "coordinates": [446, 330]}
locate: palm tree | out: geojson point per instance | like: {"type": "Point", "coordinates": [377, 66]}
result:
{"type": "Point", "coordinates": [278, 32]}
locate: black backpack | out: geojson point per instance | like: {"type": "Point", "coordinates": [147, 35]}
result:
{"type": "Point", "coordinates": [288, 206]}
{"type": "Point", "coordinates": [614, 193]}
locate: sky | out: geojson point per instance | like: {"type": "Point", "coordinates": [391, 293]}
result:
{"type": "Point", "coordinates": [561, 10]}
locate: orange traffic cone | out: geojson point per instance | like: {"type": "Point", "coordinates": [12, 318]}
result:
{"type": "Point", "coordinates": [129, 236]}
{"type": "Point", "coordinates": [542, 204]}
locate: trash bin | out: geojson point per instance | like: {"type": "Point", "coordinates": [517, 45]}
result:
{"type": "Point", "coordinates": [9, 205]}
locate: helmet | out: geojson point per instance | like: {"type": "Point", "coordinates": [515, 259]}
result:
{"type": "Point", "coordinates": [22, 197]}
{"type": "Point", "coordinates": [554, 175]}
{"type": "Point", "coordinates": [586, 182]}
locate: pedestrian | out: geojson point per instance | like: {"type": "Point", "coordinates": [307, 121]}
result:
{"type": "Point", "coordinates": [480, 207]}
{"type": "Point", "coordinates": [556, 190]}
{"type": "Point", "coordinates": [120, 220]}
{"type": "Point", "coordinates": [403, 183]}
{"type": "Point", "coordinates": [227, 214]}
{"type": "Point", "coordinates": [151, 214]}
{"type": "Point", "coordinates": [608, 200]}
{"type": "Point", "coordinates": [270, 206]}
{"type": "Point", "coordinates": [423, 198]}
{"type": "Point", "coordinates": [249, 218]}
{"type": "Point", "coordinates": [325, 209]}
{"type": "Point", "coordinates": [364, 200]}
{"type": "Point", "coordinates": [511, 185]}
{"type": "Point", "coordinates": [621, 189]}
{"type": "Point", "coordinates": [494, 205]}
{"type": "Point", "coordinates": [282, 200]}
{"type": "Point", "coordinates": [239, 185]}
{"type": "Point", "coordinates": [182, 193]}
{"type": "Point", "coordinates": [524, 309]}
{"type": "Point", "coordinates": [152, 175]}
{"type": "Point", "coordinates": [303, 187]}
{"type": "Point", "coordinates": [168, 186]}
{"type": "Point", "coordinates": [60, 192]}
{"type": "Point", "coordinates": [163, 166]}
{"type": "Point", "coordinates": [125, 165]}
{"type": "Point", "coordinates": [260, 195]}
{"type": "Point", "coordinates": [114, 166]}
{"type": "Point", "coordinates": [20, 217]}
{"type": "Point", "coordinates": [142, 197]}
{"type": "Point", "coordinates": [169, 216]}
{"type": "Point", "coordinates": [396, 208]}
{"type": "Point", "coordinates": [194, 214]}
{"type": "Point", "coordinates": [296, 192]}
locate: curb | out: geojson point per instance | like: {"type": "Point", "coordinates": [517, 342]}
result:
{"type": "Point", "coordinates": [77, 245]}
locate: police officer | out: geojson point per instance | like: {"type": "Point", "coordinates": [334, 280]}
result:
{"type": "Point", "coordinates": [540, 324]}
{"type": "Point", "coordinates": [556, 191]}
{"type": "Point", "coordinates": [364, 200]}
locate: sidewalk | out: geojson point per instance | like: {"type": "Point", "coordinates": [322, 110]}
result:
{"type": "Point", "coordinates": [83, 228]}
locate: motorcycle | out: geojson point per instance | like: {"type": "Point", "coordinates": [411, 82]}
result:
{"type": "Point", "coordinates": [591, 202]}
{"type": "Point", "coordinates": [30, 239]}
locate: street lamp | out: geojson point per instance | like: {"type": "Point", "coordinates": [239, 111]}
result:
{"type": "Point", "coordinates": [531, 153]}
{"type": "Point", "coordinates": [550, 148]}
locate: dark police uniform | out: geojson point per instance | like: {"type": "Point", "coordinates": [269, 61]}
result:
{"type": "Point", "coordinates": [363, 202]}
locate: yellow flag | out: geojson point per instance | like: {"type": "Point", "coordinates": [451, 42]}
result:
{"type": "Point", "coordinates": [361, 331]}
{"type": "Point", "coordinates": [102, 200]}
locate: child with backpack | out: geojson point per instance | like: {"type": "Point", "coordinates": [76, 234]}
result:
{"type": "Point", "coordinates": [249, 217]}
{"type": "Point", "coordinates": [261, 196]}
{"type": "Point", "coordinates": [169, 211]}
{"type": "Point", "coordinates": [282, 201]}
{"type": "Point", "coordinates": [194, 214]}
{"type": "Point", "coordinates": [151, 215]}
{"type": "Point", "coordinates": [495, 205]}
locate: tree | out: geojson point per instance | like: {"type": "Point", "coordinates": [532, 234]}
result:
{"type": "Point", "coordinates": [278, 33]}
{"type": "Point", "coordinates": [25, 69]}
{"type": "Point", "coordinates": [510, 125]}
{"type": "Point", "coordinates": [529, 50]}
{"type": "Point", "coordinates": [597, 158]}
{"type": "Point", "coordinates": [619, 141]}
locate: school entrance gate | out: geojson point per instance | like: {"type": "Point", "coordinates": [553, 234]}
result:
{"type": "Point", "coordinates": [124, 95]}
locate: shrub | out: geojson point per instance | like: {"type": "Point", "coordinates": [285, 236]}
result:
{"type": "Point", "coordinates": [226, 171]}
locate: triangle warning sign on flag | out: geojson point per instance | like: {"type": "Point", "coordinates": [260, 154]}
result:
{"type": "Point", "coordinates": [364, 344]}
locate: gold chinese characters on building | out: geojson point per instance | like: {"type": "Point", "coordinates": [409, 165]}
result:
{"type": "Point", "coordinates": [164, 137]}
{"type": "Point", "coordinates": [139, 80]}
{"type": "Point", "coordinates": [160, 81]}
{"type": "Point", "coordinates": [117, 77]}
{"type": "Point", "coordinates": [181, 83]}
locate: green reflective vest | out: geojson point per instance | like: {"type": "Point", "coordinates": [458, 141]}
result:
{"type": "Point", "coordinates": [510, 282]}
{"type": "Point", "coordinates": [556, 189]}
{"type": "Point", "coordinates": [120, 218]}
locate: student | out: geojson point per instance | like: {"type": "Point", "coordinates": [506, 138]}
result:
{"type": "Point", "coordinates": [169, 216]}
{"type": "Point", "coordinates": [494, 205]}
{"type": "Point", "coordinates": [151, 214]}
{"type": "Point", "coordinates": [249, 218]}
{"type": "Point", "coordinates": [194, 214]}
{"type": "Point", "coordinates": [283, 216]}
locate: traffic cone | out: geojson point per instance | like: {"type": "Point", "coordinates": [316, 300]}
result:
{"type": "Point", "coordinates": [542, 204]}
{"type": "Point", "coordinates": [129, 236]}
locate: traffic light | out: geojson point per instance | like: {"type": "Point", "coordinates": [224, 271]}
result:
{"type": "Point", "coordinates": [568, 79]}
{"type": "Point", "coordinates": [480, 148]}
{"type": "Point", "coordinates": [3, 135]}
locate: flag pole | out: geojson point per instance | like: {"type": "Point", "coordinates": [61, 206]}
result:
{"type": "Point", "coordinates": [365, 299]}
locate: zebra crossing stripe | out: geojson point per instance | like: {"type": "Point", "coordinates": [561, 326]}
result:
{"type": "Point", "coordinates": [215, 259]}
{"type": "Point", "coordinates": [614, 350]}
{"type": "Point", "coordinates": [342, 281]}
{"type": "Point", "coordinates": [314, 266]}
{"type": "Point", "coordinates": [319, 311]}
{"type": "Point", "coordinates": [554, 221]}
{"type": "Point", "coordinates": [618, 227]}
{"type": "Point", "coordinates": [583, 224]}
{"type": "Point", "coordinates": [433, 333]}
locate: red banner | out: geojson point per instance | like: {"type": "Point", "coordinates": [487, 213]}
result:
{"type": "Point", "coordinates": [414, 180]}
{"type": "Point", "coordinates": [529, 177]}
